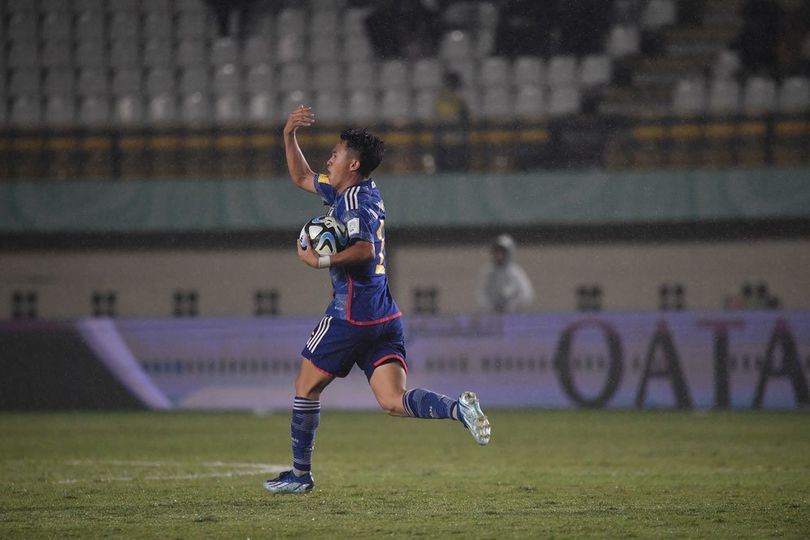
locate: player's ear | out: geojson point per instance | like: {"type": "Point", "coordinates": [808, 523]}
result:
{"type": "Point", "coordinates": [354, 165]}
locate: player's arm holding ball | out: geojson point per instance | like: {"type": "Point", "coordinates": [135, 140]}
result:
{"type": "Point", "coordinates": [358, 253]}
{"type": "Point", "coordinates": [300, 171]}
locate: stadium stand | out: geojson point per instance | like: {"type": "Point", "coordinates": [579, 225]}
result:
{"type": "Point", "coordinates": [165, 65]}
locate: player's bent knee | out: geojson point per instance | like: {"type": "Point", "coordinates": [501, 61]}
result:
{"type": "Point", "coordinates": [392, 406]}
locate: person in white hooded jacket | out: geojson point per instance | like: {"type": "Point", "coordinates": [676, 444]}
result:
{"type": "Point", "coordinates": [504, 286]}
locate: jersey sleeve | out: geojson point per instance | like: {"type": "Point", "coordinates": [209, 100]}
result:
{"type": "Point", "coordinates": [360, 221]}
{"type": "Point", "coordinates": [324, 188]}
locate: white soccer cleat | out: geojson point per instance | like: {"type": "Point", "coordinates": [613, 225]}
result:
{"type": "Point", "coordinates": [287, 482]}
{"type": "Point", "coordinates": [473, 418]}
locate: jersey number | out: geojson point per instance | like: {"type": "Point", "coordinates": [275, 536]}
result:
{"type": "Point", "coordinates": [381, 235]}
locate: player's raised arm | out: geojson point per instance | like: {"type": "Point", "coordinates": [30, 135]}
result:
{"type": "Point", "coordinates": [297, 165]}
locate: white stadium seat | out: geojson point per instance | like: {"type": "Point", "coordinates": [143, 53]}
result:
{"type": "Point", "coordinates": [195, 109]}
{"type": "Point", "coordinates": [293, 77]}
{"type": "Point", "coordinates": [623, 40]}
{"type": "Point", "coordinates": [724, 97]}
{"type": "Point", "coordinates": [128, 110]}
{"type": "Point", "coordinates": [562, 71]}
{"type": "Point", "coordinates": [260, 109]}
{"type": "Point", "coordinates": [360, 76]}
{"type": "Point", "coordinates": [528, 71]}
{"type": "Point", "coordinates": [689, 97]}
{"type": "Point", "coordinates": [326, 76]}
{"type": "Point", "coordinates": [361, 106]}
{"type": "Point", "coordinates": [530, 103]}
{"type": "Point", "coordinates": [595, 70]}
{"type": "Point", "coordinates": [495, 71]}
{"type": "Point", "coordinates": [759, 96]}
{"type": "Point", "coordinates": [329, 106]}
{"type": "Point", "coordinates": [428, 73]}
{"type": "Point", "coordinates": [259, 79]}
{"type": "Point", "coordinates": [228, 109]}
{"type": "Point", "coordinates": [394, 73]}
{"type": "Point", "coordinates": [564, 101]}
{"type": "Point", "coordinates": [794, 95]}
{"type": "Point", "coordinates": [60, 110]}
{"type": "Point", "coordinates": [94, 111]}
{"type": "Point", "coordinates": [496, 104]}
{"type": "Point", "coordinates": [227, 79]}
{"type": "Point", "coordinates": [396, 105]}
{"type": "Point", "coordinates": [127, 81]}
{"type": "Point", "coordinates": [161, 109]}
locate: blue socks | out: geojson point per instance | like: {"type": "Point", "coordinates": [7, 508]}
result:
{"type": "Point", "coordinates": [421, 403]}
{"type": "Point", "coordinates": [306, 416]}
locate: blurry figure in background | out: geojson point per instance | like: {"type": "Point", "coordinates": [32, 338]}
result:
{"type": "Point", "coordinates": [505, 287]}
{"type": "Point", "coordinates": [453, 122]}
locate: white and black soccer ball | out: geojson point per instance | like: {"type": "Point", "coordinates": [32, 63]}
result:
{"type": "Point", "coordinates": [327, 235]}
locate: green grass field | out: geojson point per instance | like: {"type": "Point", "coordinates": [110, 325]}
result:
{"type": "Point", "coordinates": [546, 474]}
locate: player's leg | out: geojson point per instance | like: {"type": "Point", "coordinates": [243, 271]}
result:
{"type": "Point", "coordinates": [305, 419]}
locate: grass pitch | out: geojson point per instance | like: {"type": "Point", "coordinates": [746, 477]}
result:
{"type": "Point", "coordinates": [546, 474]}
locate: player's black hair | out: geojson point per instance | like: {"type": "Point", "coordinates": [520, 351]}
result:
{"type": "Point", "coordinates": [369, 147]}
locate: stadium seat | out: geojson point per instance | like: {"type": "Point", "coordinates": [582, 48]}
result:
{"type": "Point", "coordinates": [361, 106]}
{"type": "Point", "coordinates": [260, 109]}
{"type": "Point", "coordinates": [689, 97]}
{"type": "Point", "coordinates": [22, 26]}
{"type": "Point", "coordinates": [290, 48]}
{"type": "Point", "coordinates": [360, 76]}
{"type": "Point", "coordinates": [228, 109]}
{"type": "Point", "coordinates": [456, 45]}
{"type": "Point", "coordinates": [623, 41]}
{"type": "Point", "coordinates": [189, 5]}
{"type": "Point", "coordinates": [259, 79]}
{"type": "Point", "coordinates": [424, 104]}
{"type": "Point", "coordinates": [291, 21]}
{"type": "Point", "coordinates": [289, 101]}
{"type": "Point", "coordinates": [124, 53]}
{"type": "Point", "coordinates": [126, 6]}
{"type": "Point", "coordinates": [356, 48]}
{"type": "Point", "coordinates": [128, 110]}
{"type": "Point", "coordinates": [94, 111]}
{"type": "Point", "coordinates": [794, 95]}
{"type": "Point", "coordinates": [726, 65]}
{"type": "Point", "coordinates": [24, 81]}
{"type": "Point", "coordinates": [564, 100]}
{"type": "Point", "coordinates": [224, 51]}
{"type": "Point", "coordinates": [595, 70]}
{"type": "Point", "coordinates": [325, 21]}
{"type": "Point", "coordinates": [59, 80]}
{"type": "Point", "coordinates": [227, 79]}
{"type": "Point", "coordinates": [126, 81]}
{"type": "Point", "coordinates": [25, 111]}
{"type": "Point", "coordinates": [51, 6]}
{"type": "Point", "coordinates": [23, 54]}
{"type": "Point", "coordinates": [161, 109]}
{"type": "Point", "coordinates": [90, 54]}
{"type": "Point", "coordinates": [60, 110]}
{"type": "Point", "coordinates": [496, 104]}
{"type": "Point", "coordinates": [124, 25]}
{"type": "Point", "coordinates": [90, 26]}
{"type": "Point", "coordinates": [195, 109]}
{"type": "Point", "coordinates": [293, 77]}
{"type": "Point", "coordinates": [396, 105]}
{"type": "Point", "coordinates": [257, 51]}
{"type": "Point", "coordinates": [159, 81]}
{"type": "Point", "coordinates": [80, 6]}
{"type": "Point", "coordinates": [157, 53]}
{"type": "Point", "coordinates": [329, 106]}
{"type": "Point", "coordinates": [759, 96]}
{"type": "Point", "coordinates": [494, 71]}
{"type": "Point", "coordinates": [57, 25]}
{"type": "Point", "coordinates": [528, 71]}
{"type": "Point", "coordinates": [191, 25]}
{"type": "Point", "coordinates": [529, 103]}
{"type": "Point", "coordinates": [658, 14]}
{"type": "Point", "coordinates": [157, 25]}
{"type": "Point", "coordinates": [194, 80]}
{"type": "Point", "coordinates": [56, 53]}
{"type": "Point", "coordinates": [325, 76]}
{"type": "Point", "coordinates": [324, 48]}
{"type": "Point", "coordinates": [92, 82]}
{"type": "Point", "coordinates": [724, 97]}
{"type": "Point", "coordinates": [394, 74]}
{"type": "Point", "coordinates": [427, 73]}
{"type": "Point", "coordinates": [354, 19]}
{"type": "Point", "coordinates": [157, 6]}
{"type": "Point", "coordinates": [191, 53]}
{"type": "Point", "coordinates": [562, 71]}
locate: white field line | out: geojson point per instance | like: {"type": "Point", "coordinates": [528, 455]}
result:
{"type": "Point", "coordinates": [230, 470]}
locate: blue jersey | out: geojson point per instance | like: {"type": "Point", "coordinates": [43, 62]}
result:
{"type": "Point", "coordinates": [361, 293]}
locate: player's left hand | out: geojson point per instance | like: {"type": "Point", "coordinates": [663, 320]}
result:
{"type": "Point", "coordinates": [307, 254]}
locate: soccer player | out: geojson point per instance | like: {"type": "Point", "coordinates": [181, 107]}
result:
{"type": "Point", "coordinates": [362, 324]}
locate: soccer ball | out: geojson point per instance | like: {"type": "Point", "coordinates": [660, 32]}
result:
{"type": "Point", "coordinates": [326, 234]}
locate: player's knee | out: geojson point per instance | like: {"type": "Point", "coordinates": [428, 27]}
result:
{"type": "Point", "coordinates": [392, 405]}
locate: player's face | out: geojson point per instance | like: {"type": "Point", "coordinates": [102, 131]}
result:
{"type": "Point", "coordinates": [342, 163]}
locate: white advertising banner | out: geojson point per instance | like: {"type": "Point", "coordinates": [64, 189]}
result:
{"type": "Point", "coordinates": [684, 360]}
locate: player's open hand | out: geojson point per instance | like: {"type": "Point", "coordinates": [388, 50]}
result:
{"type": "Point", "coordinates": [307, 254]}
{"type": "Point", "coordinates": [300, 117]}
